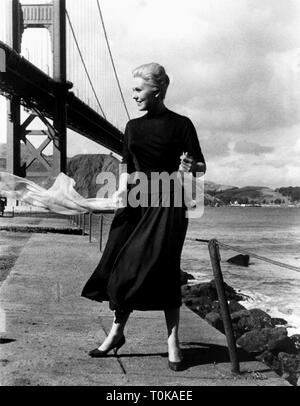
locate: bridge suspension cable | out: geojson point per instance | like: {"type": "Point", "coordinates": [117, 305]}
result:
{"type": "Point", "coordinates": [83, 62]}
{"type": "Point", "coordinates": [111, 58]}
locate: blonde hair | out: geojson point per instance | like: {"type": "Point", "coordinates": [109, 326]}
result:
{"type": "Point", "coordinates": [155, 75]}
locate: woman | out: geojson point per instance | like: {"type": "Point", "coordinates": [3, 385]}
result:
{"type": "Point", "coordinates": [140, 267]}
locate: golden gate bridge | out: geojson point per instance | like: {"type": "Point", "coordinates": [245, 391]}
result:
{"type": "Point", "coordinates": [60, 93]}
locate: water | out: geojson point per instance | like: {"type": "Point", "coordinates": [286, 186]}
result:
{"type": "Point", "coordinates": [270, 232]}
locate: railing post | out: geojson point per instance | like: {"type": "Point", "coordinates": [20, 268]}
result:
{"type": "Point", "coordinates": [83, 224]}
{"type": "Point", "coordinates": [101, 231]}
{"type": "Point", "coordinates": [214, 253]}
{"type": "Point", "coordinates": [90, 226]}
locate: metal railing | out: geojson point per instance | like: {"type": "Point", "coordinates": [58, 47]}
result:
{"type": "Point", "coordinates": [81, 222]}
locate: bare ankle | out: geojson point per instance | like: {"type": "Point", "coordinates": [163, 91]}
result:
{"type": "Point", "coordinates": [116, 334]}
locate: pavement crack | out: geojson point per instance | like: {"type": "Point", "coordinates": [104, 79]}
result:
{"type": "Point", "coordinates": [122, 366]}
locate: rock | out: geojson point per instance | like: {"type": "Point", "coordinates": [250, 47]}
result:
{"type": "Point", "coordinates": [189, 276]}
{"type": "Point", "coordinates": [195, 301]}
{"type": "Point", "coordinates": [239, 320]}
{"type": "Point", "coordinates": [202, 298]}
{"type": "Point", "coordinates": [231, 294]}
{"type": "Point", "coordinates": [193, 291]}
{"type": "Point", "coordinates": [215, 320]}
{"type": "Point", "coordinates": [247, 320]}
{"type": "Point", "coordinates": [271, 339]}
{"type": "Point", "coordinates": [270, 360]}
{"type": "Point", "coordinates": [200, 305]}
{"type": "Point", "coordinates": [277, 321]}
{"type": "Point", "coordinates": [239, 314]}
{"type": "Point", "coordinates": [209, 289]}
{"type": "Point", "coordinates": [235, 306]}
{"type": "Point", "coordinates": [259, 318]}
{"type": "Point", "coordinates": [240, 323]}
{"type": "Point", "coordinates": [240, 259]}
{"type": "Point", "coordinates": [184, 278]}
{"type": "Point", "coordinates": [199, 290]}
{"type": "Point", "coordinates": [285, 345]}
{"type": "Point", "coordinates": [290, 366]}
{"type": "Point", "coordinates": [286, 376]}
{"type": "Point", "coordinates": [289, 361]}
{"type": "Point", "coordinates": [296, 340]}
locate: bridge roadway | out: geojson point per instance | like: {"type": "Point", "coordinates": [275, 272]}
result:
{"type": "Point", "coordinates": [50, 328]}
{"type": "Point", "coordinates": [19, 77]}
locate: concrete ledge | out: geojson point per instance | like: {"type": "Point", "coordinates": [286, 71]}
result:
{"type": "Point", "coordinates": [41, 229]}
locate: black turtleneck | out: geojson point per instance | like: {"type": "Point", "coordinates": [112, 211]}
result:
{"type": "Point", "coordinates": [155, 142]}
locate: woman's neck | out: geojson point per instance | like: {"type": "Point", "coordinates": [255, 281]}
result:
{"type": "Point", "coordinates": [157, 109]}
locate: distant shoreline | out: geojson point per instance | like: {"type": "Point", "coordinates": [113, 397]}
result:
{"type": "Point", "coordinates": [272, 206]}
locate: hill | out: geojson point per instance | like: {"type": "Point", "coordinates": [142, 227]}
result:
{"type": "Point", "coordinates": [213, 188]}
{"type": "Point", "coordinates": [85, 168]}
{"type": "Point", "coordinates": [252, 195]}
{"type": "Point", "coordinates": [292, 193]}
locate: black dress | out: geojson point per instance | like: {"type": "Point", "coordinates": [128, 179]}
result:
{"type": "Point", "coordinates": [140, 266]}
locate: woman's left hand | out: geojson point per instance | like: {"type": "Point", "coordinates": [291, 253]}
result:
{"type": "Point", "coordinates": [187, 163]}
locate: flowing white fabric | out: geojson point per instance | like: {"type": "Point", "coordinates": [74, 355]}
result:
{"type": "Point", "coordinates": [60, 198]}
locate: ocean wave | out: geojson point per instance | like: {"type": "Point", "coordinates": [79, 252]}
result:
{"type": "Point", "coordinates": [283, 311]}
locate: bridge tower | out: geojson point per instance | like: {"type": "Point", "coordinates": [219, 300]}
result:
{"type": "Point", "coordinates": [52, 17]}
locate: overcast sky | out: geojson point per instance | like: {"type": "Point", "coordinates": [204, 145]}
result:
{"type": "Point", "coordinates": [235, 71]}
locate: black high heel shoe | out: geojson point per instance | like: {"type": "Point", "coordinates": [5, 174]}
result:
{"type": "Point", "coordinates": [175, 366]}
{"type": "Point", "coordinates": [100, 354]}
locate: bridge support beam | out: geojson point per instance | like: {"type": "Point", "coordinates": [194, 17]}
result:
{"type": "Point", "coordinates": [14, 35]}
{"type": "Point", "coordinates": [13, 158]}
{"type": "Point", "coordinates": [53, 17]}
{"type": "Point", "coordinates": [60, 75]}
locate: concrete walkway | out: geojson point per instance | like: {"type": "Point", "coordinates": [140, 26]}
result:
{"type": "Point", "coordinates": [49, 329]}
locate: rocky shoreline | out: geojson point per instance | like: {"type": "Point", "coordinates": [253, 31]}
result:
{"type": "Point", "coordinates": [259, 334]}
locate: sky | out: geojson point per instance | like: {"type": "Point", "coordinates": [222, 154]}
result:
{"type": "Point", "coordinates": [235, 72]}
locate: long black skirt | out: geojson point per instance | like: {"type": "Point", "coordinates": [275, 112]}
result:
{"type": "Point", "coordinates": [140, 266]}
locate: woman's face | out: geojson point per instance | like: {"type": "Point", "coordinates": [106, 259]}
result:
{"type": "Point", "coordinates": [144, 95]}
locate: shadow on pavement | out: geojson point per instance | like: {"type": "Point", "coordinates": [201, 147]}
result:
{"type": "Point", "coordinates": [197, 354]}
{"type": "Point", "coordinates": [6, 340]}
{"type": "Point", "coordinates": [203, 353]}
